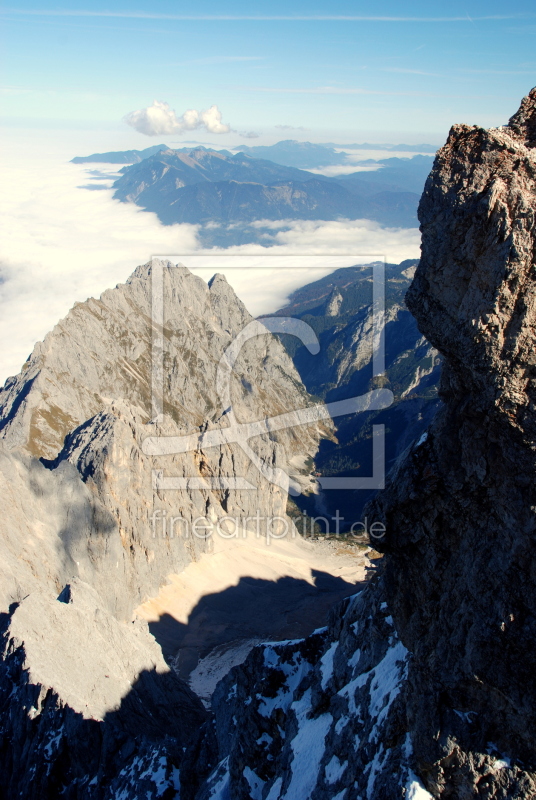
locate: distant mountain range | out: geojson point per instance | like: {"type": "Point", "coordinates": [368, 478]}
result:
{"type": "Point", "coordinates": [291, 153]}
{"type": "Point", "coordinates": [163, 173]}
{"type": "Point", "coordinates": [310, 156]}
{"type": "Point", "coordinates": [400, 148]}
{"type": "Point", "coordinates": [200, 186]}
{"type": "Point", "coordinates": [394, 175]}
{"type": "Point", "coordinates": [297, 154]}
{"type": "Point", "coordinates": [233, 201]}
{"type": "Point", "coordinates": [223, 191]}
{"type": "Point", "coordinates": [119, 157]}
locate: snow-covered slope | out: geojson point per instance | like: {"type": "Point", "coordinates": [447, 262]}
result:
{"type": "Point", "coordinates": [321, 717]}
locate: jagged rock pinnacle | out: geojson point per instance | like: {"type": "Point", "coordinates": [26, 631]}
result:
{"type": "Point", "coordinates": [523, 122]}
{"type": "Point", "coordinates": [459, 511]}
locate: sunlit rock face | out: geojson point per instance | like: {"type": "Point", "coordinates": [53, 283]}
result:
{"type": "Point", "coordinates": [84, 399]}
{"type": "Point", "coordinates": [90, 707]}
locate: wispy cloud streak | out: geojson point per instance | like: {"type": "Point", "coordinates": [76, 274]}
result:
{"type": "Point", "coordinates": [257, 18]}
{"type": "Point", "coordinates": [339, 90]}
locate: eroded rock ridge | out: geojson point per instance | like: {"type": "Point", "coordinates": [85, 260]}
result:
{"type": "Point", "coordinates": [424, 685]}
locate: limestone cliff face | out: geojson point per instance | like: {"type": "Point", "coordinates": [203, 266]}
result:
{"type": "Point", "coordinates": [83, 405]}
{"type": "Point", "coordinates": [90, 709]}
{"type": "Point", "coordinates": [460, 510]}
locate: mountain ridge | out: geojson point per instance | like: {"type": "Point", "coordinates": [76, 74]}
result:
{"type": "Point", "coordinates": [119, 156]}
{"type": "Point", "coordinates": [200, 185]}
{"type": "Point", "coordinates": [90, 705]}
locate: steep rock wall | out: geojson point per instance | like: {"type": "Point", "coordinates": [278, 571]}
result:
{"type": "Point", "coordinates": [424, 685]}
{"type": "Point", "coordinates": [460, 510]}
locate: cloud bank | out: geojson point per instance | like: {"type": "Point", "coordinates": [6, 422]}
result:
{"type": "Point", "coordinates": [63, 244]}
{"type": "Point", "coordinates": [160, 119]}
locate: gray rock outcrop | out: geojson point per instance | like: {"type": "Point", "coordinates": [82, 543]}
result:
{"type": "Point", "coordinates": [83, 400]}
{"type": "Point", "coordinates": [90, 709]}
{"type": "Point", "coordinates": [450, 624]}
{"type": "Point", "coordinates": [460, 510]}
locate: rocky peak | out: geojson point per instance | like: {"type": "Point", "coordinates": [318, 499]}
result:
{"type": "Point", "coordinates": [83, 405]}
{"type": "Point", "coordinates": [101, 352]}
{"type": "Point", "coordinates": [523, 122]}
{"type": "Point", "coordinates": [473, 291]}
{"type": "Point", "coordinates": [459, 510]}
{"type": "Point", "coordinates": [333, 303]}
{"type": "Point", "coordinates": [88, 701]}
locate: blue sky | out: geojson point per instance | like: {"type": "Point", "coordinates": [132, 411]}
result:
{"type": "Point", "coordinates": [342, 71]}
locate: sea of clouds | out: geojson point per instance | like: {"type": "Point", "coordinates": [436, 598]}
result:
{"type": "Point", "coordinates": [62, 244]}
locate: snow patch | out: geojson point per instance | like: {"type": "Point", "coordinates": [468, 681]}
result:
{"type": "Point", "coordinates": [465, 715]}
{"type": "Point", "coordinates": [353, 662]}
{"type": "Point", "coordinates": [326, 662]}
{"type": "Point", "coordinates": [256, 785]}
{"type": "Point", "coordinates": [375, 768]}
{"type": "Point", "coordinates": [52, 744]}
{"type": "Point", "coordinates": [275, 791]}
{"type": "Point", "coordinates": [307, 749]}
{"type": "Point", "coordinates": [341, 724]}
{"type": "Point", "coordinates": [415, 790]}
{"type": "Point", "coordinates": [334, 770]}
{"type": "Point", "coordinates": [220, 779]}
{"type": "Point", "coordinates": [156, 769]}
{"type": "Point", "coordinates": [294, 671]}
{"type": "Point", "coordinates": [500, 762]}
{"type": "Point", "coordinates": [213, 667]}
{"type": "Point", "coordinates": [385, 685]}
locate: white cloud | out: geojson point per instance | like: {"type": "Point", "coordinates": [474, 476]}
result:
{"type": "Point", "coordinates": [304, 251]}
{"type": "Point", "coordinates": [249, 135]}
{"type": "Point", "coordinates": [211, 120]}
{"type": "Point", "coordinates": [160, 119]}
{"type": "Point", "coordinates": [344, 169]}
{"type": "Point", "coordinates": [263, 17]}
{"type": "Point", "coordinates": [62, 244]}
